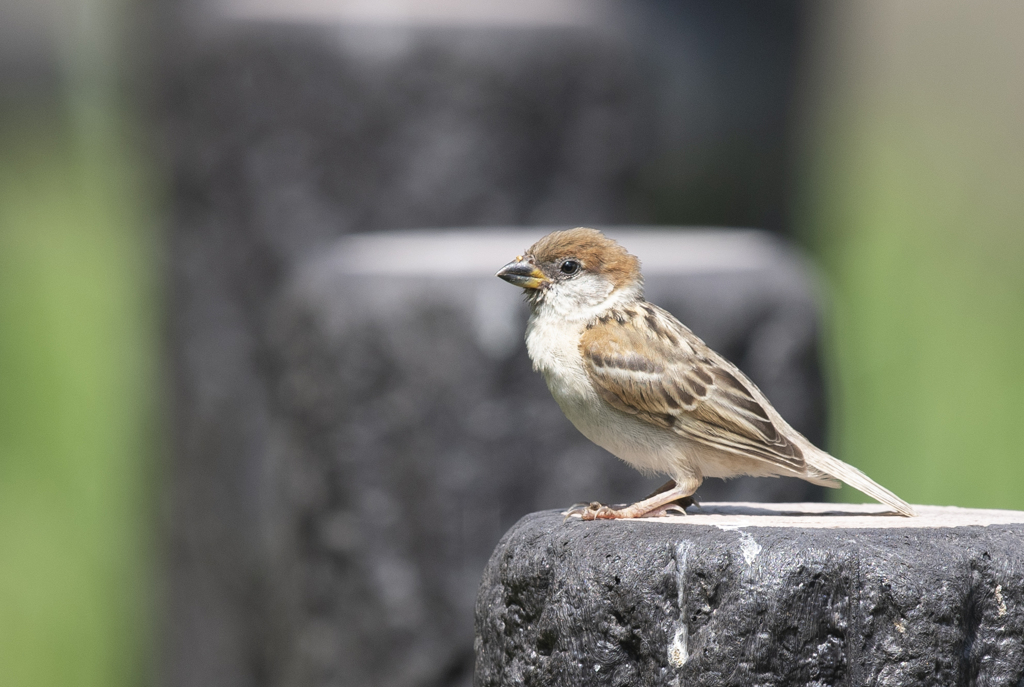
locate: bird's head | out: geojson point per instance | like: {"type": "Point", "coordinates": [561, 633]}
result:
{"type": "Point", "coordinates": [575, 271]}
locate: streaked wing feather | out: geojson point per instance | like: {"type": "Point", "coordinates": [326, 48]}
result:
{"type": "Point", "coordinates": [644, 362]}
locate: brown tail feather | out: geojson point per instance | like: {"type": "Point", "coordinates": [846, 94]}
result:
{"type": "Point", "coordinates": [822, 463]}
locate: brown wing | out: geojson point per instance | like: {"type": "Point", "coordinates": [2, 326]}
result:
{"type": "Point", "coordinates": [644, 362]}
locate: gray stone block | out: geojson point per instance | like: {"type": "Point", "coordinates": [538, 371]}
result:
{"type": "Point", "coordinates": [282, 136]}
{"type": "Point", "coordinates": [748, 594]}
{"type": "Point", "coordinates": [297, 133]}
{"type": "Point", "coordinates": [408, 431]}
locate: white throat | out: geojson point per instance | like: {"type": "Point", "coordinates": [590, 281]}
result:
{"type": "Point", "coordinates": [554, 328]}
{"type": "Point", "coordinates": [584, 299]}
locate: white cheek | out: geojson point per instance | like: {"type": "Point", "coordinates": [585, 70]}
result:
{"type": "Point", "coordinates": [578, 299]}
{"type": "Point", "coordinates": [554, 330]}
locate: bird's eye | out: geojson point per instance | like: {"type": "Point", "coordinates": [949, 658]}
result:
{"type": "Point", "coordinates": [570, 267]}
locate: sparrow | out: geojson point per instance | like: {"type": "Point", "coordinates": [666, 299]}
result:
{"type": "Point", "coordinates": [636, 382]}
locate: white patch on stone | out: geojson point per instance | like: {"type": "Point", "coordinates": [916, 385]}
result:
{"type": "Point", "coordinates": [1000, 601]}
{"type": "Point", "coordinates": [748, 547]}
{"type": "Point", "coordinates": [677, 655]}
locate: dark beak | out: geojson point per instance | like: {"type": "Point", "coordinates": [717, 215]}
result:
{"type": "Point", "coordinates": [521, 272]}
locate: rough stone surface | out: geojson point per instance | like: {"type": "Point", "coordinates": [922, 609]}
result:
{"type": "Point", "coordinates": [723, 599]}
{"type": "Point", "coordinates": [408, 431]}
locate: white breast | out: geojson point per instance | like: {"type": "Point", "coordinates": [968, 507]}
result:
{"type": "Point", "coordinates": [554, 348]}
{"type": "Point", "coordinates": [553, 345]}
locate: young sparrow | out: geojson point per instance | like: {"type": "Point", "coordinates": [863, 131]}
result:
{"type": "Point", "coordinates": [638, 383]}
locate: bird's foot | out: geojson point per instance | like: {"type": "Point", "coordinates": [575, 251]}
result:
{"type": "Point", "coordinates": [592, 511]}
{"type": "Point", "coordinates": [598, 511]}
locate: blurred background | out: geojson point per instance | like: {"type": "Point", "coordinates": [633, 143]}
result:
{"type": "Point", "coordinates": [165, 165]}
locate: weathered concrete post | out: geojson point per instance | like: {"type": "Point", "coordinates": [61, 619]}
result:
{"type": "Point", "coordinates": [756, 594]}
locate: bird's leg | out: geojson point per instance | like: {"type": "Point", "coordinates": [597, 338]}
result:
{"type": "Point", "coordinates": [682, 503]}
{"type": "Point", "coordinates": [658, 503]}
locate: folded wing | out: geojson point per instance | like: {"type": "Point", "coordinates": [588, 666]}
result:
{"type": "Point", "coordinates": [644, 362]}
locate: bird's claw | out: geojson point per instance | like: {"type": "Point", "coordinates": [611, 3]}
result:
{"type": "Point", "coordinates": [590, 511]}
{"type": "Point", "coordinates": [598, 511]}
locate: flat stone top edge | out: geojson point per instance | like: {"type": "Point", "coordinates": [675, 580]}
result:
{"type": "Point", "coordinates": [480, 252]}
{"type": "Point", "coordinates": [422, 13]}
{"type": "Point", "coordinates": [735, 515]}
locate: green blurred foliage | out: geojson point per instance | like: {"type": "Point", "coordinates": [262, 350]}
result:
{"type": "Point", "coordinates": [78, 326]}
{"type": "Point", "coordinates": [914, 203]}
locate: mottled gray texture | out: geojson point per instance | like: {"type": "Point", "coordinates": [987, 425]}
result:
{"type": "Point", "coordinates": [612, 603]}
{"type": "Point", "coordinates": [280, 139]}
{"type": "Point", "coordinates": [336, 492]}
{"type": "Point", "coordinates": [296, 135]}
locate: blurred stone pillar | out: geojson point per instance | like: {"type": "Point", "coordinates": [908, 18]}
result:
{"type": "Point", "coordinates": [283, 137]}
{"type": "Point", "coordinates": [409, 431]}
{"type": "Point", "coordinates": [285, 132]}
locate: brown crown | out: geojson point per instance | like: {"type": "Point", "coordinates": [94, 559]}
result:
{"type": "Point", "coordinates": [596, 252]}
